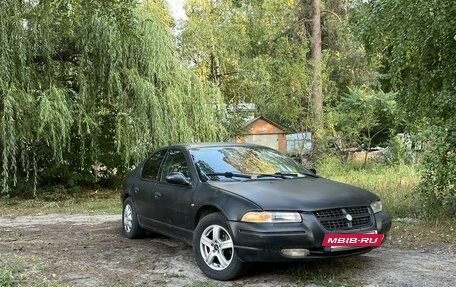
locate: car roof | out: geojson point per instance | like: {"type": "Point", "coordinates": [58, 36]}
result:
{"type": "Point", "coordinates": [213, 144]}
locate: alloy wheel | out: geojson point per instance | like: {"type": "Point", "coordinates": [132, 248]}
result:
{"type": "Point", "coordinates": [128, 218]}
{"type": "Point", "coordinates": [216, 247]}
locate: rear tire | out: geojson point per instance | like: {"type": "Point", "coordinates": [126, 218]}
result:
{"type": "Point", "coordinates": [213, 248]}
{"type": "Point", "coordinates": [130, 224]}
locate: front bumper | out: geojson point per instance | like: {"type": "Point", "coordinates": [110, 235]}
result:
{"type": "Point", "coordinates": [256, 242]}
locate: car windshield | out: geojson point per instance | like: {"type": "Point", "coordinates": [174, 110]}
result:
{"type": "Point", "coordinates": [243, 162]}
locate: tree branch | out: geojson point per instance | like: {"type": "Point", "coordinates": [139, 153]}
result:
{"type": "Point", "coordinates": [333, 13]}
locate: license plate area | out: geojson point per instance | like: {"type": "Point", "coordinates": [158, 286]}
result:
{"type": "Point", "coordinates": [347, 241]}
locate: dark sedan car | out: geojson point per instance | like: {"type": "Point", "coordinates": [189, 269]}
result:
{"type": "Point", "coordinates": [238, 203]}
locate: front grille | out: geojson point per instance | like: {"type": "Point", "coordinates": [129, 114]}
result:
{"type": "Point", "coordinates": [337, 219]}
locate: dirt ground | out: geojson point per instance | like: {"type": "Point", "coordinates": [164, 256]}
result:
{"type": "Point", "coordinates": [86, 250]}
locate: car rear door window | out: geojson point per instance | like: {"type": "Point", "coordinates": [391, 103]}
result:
{"type": "Point", "coordinates": [152, 166]}
{"type": "Point", "coordinates": [175, 162]}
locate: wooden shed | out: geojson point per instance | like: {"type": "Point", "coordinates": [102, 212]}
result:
{"type": "Point", "coordinates": [265, 132]}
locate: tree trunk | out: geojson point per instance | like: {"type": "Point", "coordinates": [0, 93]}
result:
{"type": "Point", "coordinates": [317, 93]}
{"type": "Point", "coordinates": [215, 69]}
{"type": "Point", "coordinates": [368, 149]}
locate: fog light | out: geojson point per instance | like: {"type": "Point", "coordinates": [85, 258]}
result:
{"type": "Point", "coordinates": [295, 253]}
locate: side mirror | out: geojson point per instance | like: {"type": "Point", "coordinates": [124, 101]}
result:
{"type": "Point", "coordinates": [313, 170]}
{"type": "Point", "coordinates": [177, 178]}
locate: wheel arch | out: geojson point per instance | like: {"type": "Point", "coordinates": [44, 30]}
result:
{"type": "Point", "coordinates": [232, 206]}
{"type": "Point", "coordinates": [125, 194]}
{"type": "Point", "coordinates": [204, 211]}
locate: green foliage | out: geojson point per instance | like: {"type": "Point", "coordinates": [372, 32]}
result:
{"type": "Point", "coordinates": [259, 51]}
{"type": "Point", "coordinates": [255, 51]}
{"type": "Point", "coordinates": [397, 153]}
{"type": "Point", "coordinates": [438, 186]}
{"type": "Point", "coordinates": [90, 87]}
{"type": "Point", "coordinates": [348, 64]}
{"type": "Point", "coordinates": [416, 42]}
{"type": "Point", "coordinates": [361, 116]}
{"type": "Point", "coordinates": [395, 184]}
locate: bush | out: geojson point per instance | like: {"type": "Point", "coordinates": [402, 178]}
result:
{"type": "Point", "coordinates": [437, 189]}
{"type": "Point", "coordinates": [397, 151]}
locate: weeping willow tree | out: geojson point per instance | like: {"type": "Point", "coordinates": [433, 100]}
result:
{"type": "Point", "coordinates": [86, 83]}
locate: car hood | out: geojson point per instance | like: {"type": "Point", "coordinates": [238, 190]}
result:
{"type": "Point", "coordinates": [302, 194]}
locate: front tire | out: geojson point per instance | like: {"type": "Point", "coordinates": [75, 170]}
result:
{"type": "Point", "coordinates": [213, 248]}
{"type": "Point", "coordinates": [130, 224]}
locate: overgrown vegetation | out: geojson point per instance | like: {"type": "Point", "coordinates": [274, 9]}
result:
{"type": "Point", "coordinates": [395, 184]}
{"type": "Point", "coordinates": [415, 41]}
{"type": "Point", "coordinates": [398, 186]}
{"type": "Point", "coordinates": [15, 273]}
{"type": "Point", "coordinates": [361, 117]}
{"type": "Point", "coordinates": [387, 67]}
{"type": "Point", "coordinates": [254, 51]}
{"type": "Point", "coordinates": [62, 200]}
{"type": "Point", "coordinates": [87, 88]}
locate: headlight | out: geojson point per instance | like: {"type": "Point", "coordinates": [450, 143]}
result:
{"type": "Point", "coordinates": [271, 217]}
{"type": "Point", "coordinates": [376, 206]}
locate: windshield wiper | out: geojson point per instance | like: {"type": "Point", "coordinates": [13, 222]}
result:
{"type": "Point", "coordinates": [229, 174]}
{"type": "Point", "coordinates": [311, 174]}
{"type": "Point", "coordinates": [284, 175]}
{"type": "Point", "coordinates": [278, 175]}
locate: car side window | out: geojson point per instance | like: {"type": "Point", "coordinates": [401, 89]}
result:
{"type": "Point", "coordinates": [152, 166]}
{"type": "Point", "coordinates": [175, 162]}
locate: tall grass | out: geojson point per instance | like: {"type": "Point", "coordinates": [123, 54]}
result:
{"type": "Point", "coordinates": [395, 184]}
{"type": "Point", "coordinates": [59, 200]}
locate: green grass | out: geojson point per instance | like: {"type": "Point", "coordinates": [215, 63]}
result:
{"type": "Point", "coordinates": [86, 202]}
{"type": "Point", "coordinates": [330, 274]}
{"type": "Point", "coordinates": [7, 277]}
{"type": "Point", "coordinates": [202, 284]}
{"type": "Point", "coordinates": [174, 275]}
{"type": "Point", "coordinates": [16, 274]}
{"type": "Point", "coordinates": [394, 184]}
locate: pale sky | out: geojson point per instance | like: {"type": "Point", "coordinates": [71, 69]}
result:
{"type": "Point", "coordinates": [177, 9]}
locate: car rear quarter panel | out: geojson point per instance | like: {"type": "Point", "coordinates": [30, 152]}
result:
{"type": "Point", "coordinates": [128, 184]}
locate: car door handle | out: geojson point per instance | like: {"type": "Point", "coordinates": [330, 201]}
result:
{"type": "Point", "coordinates": [157, 195]}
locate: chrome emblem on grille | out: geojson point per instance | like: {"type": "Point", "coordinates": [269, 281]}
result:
{"type": "Point", "coordinates": [349, 217]}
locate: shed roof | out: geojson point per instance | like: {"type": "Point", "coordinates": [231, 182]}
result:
{"type": "Point", "coordinates": [247, 124]}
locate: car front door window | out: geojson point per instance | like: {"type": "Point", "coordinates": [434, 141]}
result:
{"type": "Point", "coordinates": [175, 162]}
